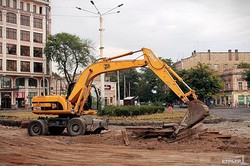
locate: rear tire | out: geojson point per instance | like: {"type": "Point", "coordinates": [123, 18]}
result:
{"type": "Point", "coordinates": [37, 127]}
{"type": "Point", "coordinates": [76, 126]}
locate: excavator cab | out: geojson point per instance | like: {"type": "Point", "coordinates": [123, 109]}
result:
{"type": "Point", "coordinates": [93, 99]}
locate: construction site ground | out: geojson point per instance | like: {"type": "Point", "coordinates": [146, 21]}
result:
{"type": "Point", "coordinates": [108, 148]}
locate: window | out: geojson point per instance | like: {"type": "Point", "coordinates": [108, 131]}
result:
{"type": "Point", "coordinates": [25, 66]}
{"type": "Point", "coordinates": [14, 4]}
{"type": "Point", "coordinates": [1, 32]}
{"type": "Point", "coordinates": [11, 33]}
{"type": "Point", "coordinates": [11, 65]}
{"type": "Point", "coordinates": [25, 20]}
{"type": "Point", "coordinates": [1, 63]}
{"type": "Point", "coordinates": [11, 18]}
{"type": "Point", "coordinates": [11, 49]}
{"type": "Point", "coordinates": [21, 5]}
{"type": "Point", "coordinates": [8, 3]}
{"type": "Point", "coordinates": [1, 19]}
{"type": "Point", "coordinates": [111, 100]}
{"type": "Point", "coordinates": [216, 67]}
{"type": "Point", "coordinates": [240, 85]}
{"type": "Point", "coordinates": [32, 82]}
{"type": "Point", "coordinates": [28, 7]}
{"type": "Point", "coordinates": [25, 35]}
{"type": "Point", "coordinates": [20, 82]}
{"type": "Point", "coordinates": [38, 37]}
{"type": "Point", "coordinates": [225, 66]}
{"type": "Point", "coordinates": [34, 8]}
{"type": "Point", "coordinates": [38, 52]}
{"type": "Point", "coordinates": [25, 51]}
{"type": "Point", "coordinates": [38, 23]}
{"type": "Point", "coordinates": [40, 10]}
{"type": "Point", "coordinates": [5, 82]}
{"type": "Point", "coordinates": [1, 48]}
{"type": "Point", "coordinates": [235, 66]}
{"type": "Point", "coordinates": [46, 83]}
{"type": "Point", "coordinates": [38, 67]}
{"type": "Point", "coordinates": [1, 2]}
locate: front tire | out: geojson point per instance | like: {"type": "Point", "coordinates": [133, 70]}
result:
{"type": "Point", "coordinates": [76, 126]}
{"type": "Point", "coordinates": [37, 127]}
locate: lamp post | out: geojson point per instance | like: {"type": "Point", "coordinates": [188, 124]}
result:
{"type": "Point", "coordinates": [101, 46]}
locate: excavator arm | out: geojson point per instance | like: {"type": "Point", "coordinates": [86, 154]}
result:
{"type": "Point", "coordinates": [74, 103]}
{"type": "Point", "coordinates": [197, 111]}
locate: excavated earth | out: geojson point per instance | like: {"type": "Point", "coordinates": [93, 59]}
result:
{"type": "Point", "coordinates": [108, 148]}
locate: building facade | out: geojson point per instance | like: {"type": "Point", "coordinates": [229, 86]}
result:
{"type": "Point", "coordinates": [110, 90]}
{"type": "Point", "coordinates": [24, 71]}
{"type": "Point", "coordinates": [236, 91]}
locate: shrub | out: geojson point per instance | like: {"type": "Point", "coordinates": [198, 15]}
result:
{"type": "Point", "coordinates": [132, 110]}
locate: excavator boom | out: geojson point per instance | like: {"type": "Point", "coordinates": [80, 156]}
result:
{"type": "Point", "coordinates": [74, 103]}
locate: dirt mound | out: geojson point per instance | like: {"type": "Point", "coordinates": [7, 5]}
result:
{"type": "Point", "coordinates": [108, 148]}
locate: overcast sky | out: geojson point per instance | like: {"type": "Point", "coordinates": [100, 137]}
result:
{"type": "Point", "coordinates": [171, 28]}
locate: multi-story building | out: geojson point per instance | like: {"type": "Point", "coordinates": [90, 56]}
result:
{"type": "Point", "coordinates": [235, 87]}
{"type": "Point", "coordinates": [24, 71]}
{"type": "Point", "coordinates": [219, 61]}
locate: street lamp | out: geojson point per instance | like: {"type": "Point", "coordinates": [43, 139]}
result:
{"type": "Point", "coordinates": [101, 46]}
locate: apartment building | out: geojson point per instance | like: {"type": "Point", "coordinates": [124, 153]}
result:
{"type": "Point", "coordinates": [219, 61]}
{"type": "Point", "coordinates": [24, 71]}
{"type": "Point", "coordinates": [235, 90]}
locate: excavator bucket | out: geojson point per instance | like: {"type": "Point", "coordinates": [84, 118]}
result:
{"type": "Point", "coordinates": [197, 111]}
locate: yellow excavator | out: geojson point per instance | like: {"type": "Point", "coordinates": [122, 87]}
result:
{"type": "Point", "coordinates": [74, 110]}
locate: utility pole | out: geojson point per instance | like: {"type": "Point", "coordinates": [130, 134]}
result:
{"type": "Point", "coordinates": [124, 87]}
{"type": "Point", "coordinates": [101, 46]}
{"type": "Point", "coordinates": [118, 87]}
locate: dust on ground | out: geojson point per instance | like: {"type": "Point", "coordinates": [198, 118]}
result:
{"type": "Point", "coordinates": [108, 148]}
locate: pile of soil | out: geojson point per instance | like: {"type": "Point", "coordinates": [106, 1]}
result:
{"type": "Point", "coordinates": [108, 148]}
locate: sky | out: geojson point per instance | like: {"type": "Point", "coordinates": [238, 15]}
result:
{"type": "Point", "coordinates": [170, 28]}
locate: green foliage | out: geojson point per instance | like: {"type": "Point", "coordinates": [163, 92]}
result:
{"type": "Point", "coordinates": [132, 79]}
{"type": "Point", "coordinates": [244, 65]}
{"type": "Point", "coordinates": [247, 77]}
{"type": "Point", "coordinates": [205, 81]}
{"type": "Point", "coordinates": [69, 52]}
{"type": "Point", "coordinates": [132, 110]}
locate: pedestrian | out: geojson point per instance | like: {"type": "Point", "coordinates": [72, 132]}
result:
{"type": "Point", "coordinates": [236, 104]}
{"type": "Point", "coordinates": [170, 107]}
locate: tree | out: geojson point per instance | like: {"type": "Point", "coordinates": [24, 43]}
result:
{"type": "Point", "coordinates": [132, 78]}
{"type": "Point", "coordinates": [247, 77]}
{"type": "Point", "coordinates": [205, 81]}
{"type": "Point", "coordinates": [69, 52]}
{"type": "Point", "coordinates": [151, 87]}
{"type": "Point", "coordinates": [244, 65]}
{"type": "Point", "coordinates": [246, 73]}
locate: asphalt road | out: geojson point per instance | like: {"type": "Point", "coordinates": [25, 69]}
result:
{"type": "Point", "coordinates": [231, 113]}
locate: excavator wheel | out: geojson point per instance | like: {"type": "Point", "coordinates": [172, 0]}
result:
{"type": "Point", "coordinates": [76, 126]}
{"type": "Point", "coordinates": [37, 127]}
